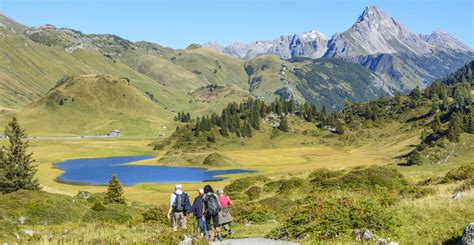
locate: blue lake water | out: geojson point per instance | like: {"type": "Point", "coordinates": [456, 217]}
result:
{"type": "Point", "coordinates": [97, 171]}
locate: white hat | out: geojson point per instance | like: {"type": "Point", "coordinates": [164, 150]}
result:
{"type": "Point", "coordinates": [220, 191]}
{"type": "Point", "coordinates": [178, 186]}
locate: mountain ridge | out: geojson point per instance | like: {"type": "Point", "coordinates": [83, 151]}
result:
{"type": "Point", "coordinates": [381, 44]}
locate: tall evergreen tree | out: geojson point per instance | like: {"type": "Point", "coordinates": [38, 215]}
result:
{"type": "Point", "coordinates": [114, 192]}
{"type": "Point", "coordinates": [436, 124]}
{"type": "Point", "coordinates": [283, 124]}
{"type": "Point", "coordinates": [16, 165]}
{"type": "Point", "coordinates": [454, 128]}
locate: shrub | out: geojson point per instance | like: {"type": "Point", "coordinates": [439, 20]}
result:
{"type": "Point", "coordinates": [467, 185]}
{"type": "Point", "coordinates": [372, 178]}
{"type": "Point", "coordinates": [112, 213]}
{"type": "Point", "coordinates": [155, 214]}
{"type": "Point", "coordinates": [330, 217]}
{"type": "Point", "coordinates": [242, 184]}
{"type": "Point", "coordinates": [254, 192]}
{"type": "Point", "coordinates": [250, 212]}
{"type": "Point", "coordinates": [98, 206]}
{"type": "Point", "coordinates": [284, 186]}
{"type": "Point", "coordinates": [462, 173]}
{"type": "Point", "coordinates": [414, 192]}
{"type": "Point", "coordinates": [280, 204]}
{"type": "Point", "coordinates": [288, 185]}
{"type": "Point", "coordinates": [42, 207]}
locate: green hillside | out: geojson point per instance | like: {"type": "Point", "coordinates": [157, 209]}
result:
{"type": "Point", "coordinates": [322, 81]}
{"type": "Point", "coordinates": [94, 104]}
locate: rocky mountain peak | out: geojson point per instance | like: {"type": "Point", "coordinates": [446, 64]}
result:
{"type": "Point", "coordinates": [442, 39]}
{"type": "Point", "coordinates": [372, 13]}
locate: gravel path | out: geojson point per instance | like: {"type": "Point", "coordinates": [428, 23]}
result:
{"type": "Point", "coordinates": [253, 241]}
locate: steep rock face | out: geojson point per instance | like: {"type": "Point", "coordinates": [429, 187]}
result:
{"type": "Point", "coordinates": [441, 39]}
{"type": "Point", "coordinates": [375, 33]}
{"type": "Point", "coordinates": [310, 44]}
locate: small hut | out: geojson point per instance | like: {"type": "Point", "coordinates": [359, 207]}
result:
{"type": "Point", "coordinates": [114, 133]}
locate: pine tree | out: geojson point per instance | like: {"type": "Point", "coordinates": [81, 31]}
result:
{"type": "Point", "coordinates": [454, 128]}
{"type": "Point", "coordinates": [283, 124]}
{"type": "Point", "coordinates": [436, 124]}
{"type": "Point", "coordinates": [114, 192]}
{"type": "Point", "coordinates": [16, 165]}
{"type": "Point", "coordinates": [223, 131]}
{"type": "Point", "coordinates": [415, 94]}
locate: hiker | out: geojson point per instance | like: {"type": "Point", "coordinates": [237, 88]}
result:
{"type": "Point", "coordinates": [211, 209]}
{"type": "Point", "coordinates": [179, 207]}
{"type": "Point", "coordinates": [197, 209]}
{"type": "Point", "coordinates": [225, 218]}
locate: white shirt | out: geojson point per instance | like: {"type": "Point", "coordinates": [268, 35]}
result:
{"type": "Point", "coordinates": [173, 196]}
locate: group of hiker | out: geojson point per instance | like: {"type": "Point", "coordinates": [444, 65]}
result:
{"type": "Point", "coordinates": [208, 207]}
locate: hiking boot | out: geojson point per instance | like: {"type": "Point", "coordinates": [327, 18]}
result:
{"type": "Point", "coordinates": [219, 237]}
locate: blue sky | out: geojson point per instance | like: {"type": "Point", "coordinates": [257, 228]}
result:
{"type": "Point", "coordinates": [177, 23]}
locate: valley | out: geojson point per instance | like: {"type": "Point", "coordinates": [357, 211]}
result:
{"type": "Point", "coordinates": [316, 139]}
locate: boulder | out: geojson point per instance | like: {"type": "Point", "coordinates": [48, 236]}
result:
{"type": "Point", "coordinates": [457, 195]}
{"type": "Point", "coordinates": [29, 232]}
{"type": "Point", "coordinates": [22, 220]}
{"type": "Point", "coordinates": [363, 235]}
{"type": "Point", "coordinates": [468, 235]}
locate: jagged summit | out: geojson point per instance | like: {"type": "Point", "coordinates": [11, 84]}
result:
{"type": "Point", "coordinates": [440, 38]}
{"type": "Point", "coordinates": [372, 13]}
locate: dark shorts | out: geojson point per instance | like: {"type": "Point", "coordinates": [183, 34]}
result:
{"type": "Point", "coordinates": [215, 220]}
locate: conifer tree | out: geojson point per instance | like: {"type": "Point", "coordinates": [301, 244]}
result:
{"type": "Point", "coordinates": [455, 128]}
{"type": "Point", "coordinates": [283, 124]}
{"type": "Point", "coordinates": [16, 165]}
{"type": "Point", "coordinates": [436, 124]}
{"type": "Point", "coordinates": [114, 192]}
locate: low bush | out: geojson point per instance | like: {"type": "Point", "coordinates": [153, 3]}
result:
{"type": "Point", "coordinates": [464, 172]}
{"type": "Point", "coordinates": [279, 204]}
{"type": "Point", "coordinates": [284, 186]}
{"type": "Point", "coordinates": [320, 175]}
{"type": "Point", "coordinates": [288, 185]}
{"type": "Point", "coordinates": [465, 186]}
{"type": "Point", "coordinates": [414, 191]}
{"type": "Point", "coordinates": [251, 212]}
{"type": "Point", "coordinates": [240, 185]}
{"type": "Point", "coordinates": [155, 214]}
{"type": "Point", "coordinates": [254, 192]}
{"type": "Point", "coordinates": [373, 178]}
{"type": "Point", "coordinates": [113, 213]}
{"type": "Point", "coordinates": [43, 208]}
{"type": "Point", "coordinates": [328, 217]}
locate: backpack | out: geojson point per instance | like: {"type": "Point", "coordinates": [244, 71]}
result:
{"type": "Point", "coordinates": [212, 207]}
{"type": "Point", "coordinates": [182, 203]}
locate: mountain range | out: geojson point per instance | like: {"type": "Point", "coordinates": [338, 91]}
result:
{"type": "Point", "coordinates": [378, 42]}
{"type": "Point", "coordinates": [376, 57]}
